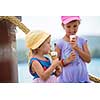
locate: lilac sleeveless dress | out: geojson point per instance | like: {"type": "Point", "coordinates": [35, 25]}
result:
{"type": "Point", "coordinates": [76, 71]}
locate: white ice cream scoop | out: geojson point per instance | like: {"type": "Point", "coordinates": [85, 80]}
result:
{"type": "Point", "coordinates": [54, 55]}
{"type": "Point", "coordinates": [72, 37]}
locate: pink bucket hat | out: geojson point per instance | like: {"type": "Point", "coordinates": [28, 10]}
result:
{"type": "Point", "coordinates": [67, 19]}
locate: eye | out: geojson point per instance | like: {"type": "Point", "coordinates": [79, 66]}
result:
{"type": "Point", "coordinates": [68, 26]}
{"type": "Point", "coordinates": [75, 26]}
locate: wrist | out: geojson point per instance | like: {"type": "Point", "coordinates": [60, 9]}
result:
{"type": "Point", "coordinates": [67, 61]}
{"type": "Point", "coordinates": [64, 62]}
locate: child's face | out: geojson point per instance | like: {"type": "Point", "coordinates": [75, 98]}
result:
{"type": "Point", "coordinates": [45, 47]}
{"type": "Point", "coordinates": [71, 28]}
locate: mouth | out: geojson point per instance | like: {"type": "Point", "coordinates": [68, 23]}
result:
{"type": "Point", "coordinates": [72, 33]}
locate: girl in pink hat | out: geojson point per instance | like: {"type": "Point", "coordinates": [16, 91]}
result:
{"type": "Point", "coordinates": [73, 51]}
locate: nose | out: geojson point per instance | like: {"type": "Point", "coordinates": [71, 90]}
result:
{"type": "Point", "coordinates": [73, 31]}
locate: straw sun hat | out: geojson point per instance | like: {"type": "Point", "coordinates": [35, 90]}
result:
{"type": "Point", "coordinates": [35, 38]}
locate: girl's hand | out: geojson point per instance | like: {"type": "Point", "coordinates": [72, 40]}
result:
{"type": "Point", "coordinates": [58, 71]}
{"type": "Point", "coordinates": [55, 63]}
{"type": "Point", "coordinates": [71, 57]}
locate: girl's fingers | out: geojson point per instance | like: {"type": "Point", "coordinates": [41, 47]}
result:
{"type": "Point", "coordinates": [73, 54]}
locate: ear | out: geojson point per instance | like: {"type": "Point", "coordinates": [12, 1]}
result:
{"type": "Point", "coordinates": [79, 22]}
{"type": "Point", "coordinates": [62, 25]}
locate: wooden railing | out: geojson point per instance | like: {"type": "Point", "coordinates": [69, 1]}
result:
{"type": "Point", "coordinates": [17, 22]}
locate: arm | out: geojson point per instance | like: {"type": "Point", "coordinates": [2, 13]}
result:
{"type": "Point", "coordinates": [44, 75]}
{"type": "Point", "coordinates": [84, 54]}
{"type": "Point", "coordinates": [68, 60]}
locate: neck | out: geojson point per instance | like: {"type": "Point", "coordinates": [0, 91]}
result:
{"type": "Point", "coordinates": [66, 38]}
{"type": "Point", "coordinates": [39, 55]}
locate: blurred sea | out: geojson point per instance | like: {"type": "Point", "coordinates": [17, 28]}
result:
{"type": "Point", "coordinates": [25, 77]}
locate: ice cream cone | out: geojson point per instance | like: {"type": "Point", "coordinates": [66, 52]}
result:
{"type": "Point", "coordinates": [54, 55]}
{"type": "Point", "coordinates": [72, 37]}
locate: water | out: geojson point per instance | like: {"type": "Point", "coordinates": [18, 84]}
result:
{"type": "Point", "coordinates": [23, 73]}
{"type": "Point", "coordinates": [25, 77]}
{"type": "Point", "coordinates": [94, 67]}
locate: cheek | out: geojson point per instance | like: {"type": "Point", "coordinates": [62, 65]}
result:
{"type": "Point", "coordinates": [47, 49]}
{"type": "Point", "coordinates": [68, 31]}
{"type": "Point", "coordinates": [75, 30]}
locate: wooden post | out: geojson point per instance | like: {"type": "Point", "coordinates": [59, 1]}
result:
{"type": "Point", "coordinates": [8, 59]}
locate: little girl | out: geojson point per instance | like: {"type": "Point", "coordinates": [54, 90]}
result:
{"type": "Point", "coordinates": [40, 67]}
{"type": "Point", "coordinates": [74, 52]}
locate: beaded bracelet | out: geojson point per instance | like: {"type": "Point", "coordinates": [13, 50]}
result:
{"type": "Point", "coordinates": [62, 62]}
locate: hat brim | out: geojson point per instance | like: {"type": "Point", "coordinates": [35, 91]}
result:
{"type": "Point", "coordinates": [38, 44]}
{"type": "Point", "coordinates": [35, 38]}
{"type": "Point", "coordinates": [66, 21]}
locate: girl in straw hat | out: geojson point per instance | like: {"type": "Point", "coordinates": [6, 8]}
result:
{"type": "Point", "coordinates": [40, 67]}
{"type": "Point", "coordinates": [74, 52]}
